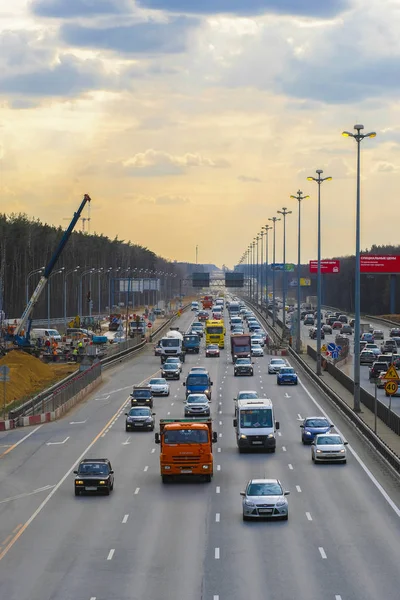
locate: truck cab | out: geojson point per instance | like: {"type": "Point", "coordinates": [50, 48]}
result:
{"type": "Point", "coordinates": [186, 448]}
{"type": "Point", "coordinates": [191, 343]}
{"type": "Point", "coordinates": [198, 383]}
{"type": "Point", "coordinates": [255, 425]}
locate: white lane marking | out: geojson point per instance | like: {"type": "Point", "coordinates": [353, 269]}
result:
{"type": "Point", "coordinates": [104, 397]}
{"type": "Point", "coordinates": [220, 412]}
{"type": "Point", "coordinates": [322, 552]}
{"type": "Point", "coordinates": [308, 515]}
{"type": "Point", "coordinates": [337, 597]}
{"type": "Point", "coordinates": [279, 433]}
{"type": "Point", "coordinates": [262, 387]}
{"type": "Point", "coordinates": [77, 422]}
{"type": "Point", "coordinates": [219, 449]}
{"type": "Point", "coordinates": [111, 554]}
{"type": "Point", "coordinates": [220, 422]}
{"type": "Point", "coordinates": [284, 448]}
{"type": "Point", "coordinates": [57, 443]}
{"type": "Point", "coordinates": [136, 491]}
{"type": "Point", "coordinates": [126, 517]}
{"type": "Point", "coordinates": [216, 554]}
{"type": "Point", "coordinates": [298, 488]}
{"type": "Point", "coordinates": [93, 598]}
{"type": "Point", "coordinates": [218, 467]}
{"type": "Point", "coordinates": [146, 469]}
{"type": "Point", "coordinates": [172, 403]}
{"type": "Point", "coordinates": [300, 417]}
{"type": "Point", "coordinates": [217, 489]}
{"type": "Point", "coordinates": [126, 442]}
{"type": "Point", "coordinates": [220, 434]}
{"type": "Point", "coordinates": [42, 489]}
{"type": "Point", "coordinates": [217, 518]}
{"type": "Point", "coordinates": [26, 437]}
{"type": "Point", "coordinates": [153, 450]}
{"type": "Point", "coordinates": [358, 459]}
{"type": "Point", "coordinates": [290, 467]}
{"type": "Point", "coordinates": [215, 597]}
{"type": "Point", "coordinates": [287, 395]}
{"type": "Point", "coordinates": [220, 403]}
{"type": "Point", "coordinates": [168, 413]}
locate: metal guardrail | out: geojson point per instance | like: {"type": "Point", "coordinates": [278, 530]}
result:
{"type": "Point", "coordinates": [68, 385]}
{"type": "Point", "coordinates": [384, 450]}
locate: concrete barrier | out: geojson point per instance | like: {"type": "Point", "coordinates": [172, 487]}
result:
{"type": "Point", "coordinates": [6, 425]}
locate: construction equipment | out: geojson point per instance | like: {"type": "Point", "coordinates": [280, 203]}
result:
{"type": "Point", "coordinates": [21, 334]}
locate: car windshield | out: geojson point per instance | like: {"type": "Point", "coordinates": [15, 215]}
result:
{"type": "Point", "coordinates": [141, 393]}
{"type": "Point", "coordinates": [170, 366]}
{"type": "Point", "coordinates": [157, 381]}
{"type": "Point", "coordinates": [170, 343]}
{"type": "Point", "coordinates": [286, 370]}
{"type": "Point", "coordinates": [324, 440]}
{"type": "Point", "coordinates": [243, 361]}
{"type": "Point", "coordinates": [196, 399]}
{"type": "Point", "coordinates": [277, 361]}
{"type": "Point", "coordinates": [264, 489]}
{"type": "Point", "coordinates": [316, 423]}
{"type": "Point", "coordinates": [256, 347]}
{"type": "Point", "coordinates": [255, 418]}
{"type": "Point", "coordinates": [191, 338]}
{"type": "Point", "coordinates": [139, 412]}
{"type": "Point", "coordinates": [247, 396]}
{"type": "Point", "coordinates": [197, 379]}
{"type": "Point", "coordinates": [172, 360]}
{"type": "Point", "coordinates": [93, 469]}
{"type": "Point", "coordinates": [53, 332]}
{"type": "Point", "coordinates": [212, 347]}
{"type": "Point", "coordinates": [186, 436]}
{"type": "Point", "coordinates": [215, 329]}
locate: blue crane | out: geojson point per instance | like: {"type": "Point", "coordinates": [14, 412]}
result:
{"type": "Point", "coordinates": [26, 319]}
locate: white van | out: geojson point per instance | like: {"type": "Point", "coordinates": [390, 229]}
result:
{"type": "Point", "coordinates": [255, 425]}
{"type": "Point", "coordinates": [45, 334]}
{"type": "Point", "coordinates": [195, 306]}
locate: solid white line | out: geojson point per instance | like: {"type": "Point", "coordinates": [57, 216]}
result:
{"type": "Point", "coordinates": [298, 488]}
{"type": "Point", "coordinates": [284, 448]}
{"type": "Point", "coordinates": [290, 467]}
{"type": "Point", "coordinates": [322, 552]}
{"type": "Point", "coordinates": [217, 489]}
{"type": "Point", "coordinates": [26, 437]}
{"type": "Point", "coordinates": [126, 517]}
{"type": "Point", "coordinates": [111, 554]}
{"type": "Point", "coordinates": [136, 491]}
{"type": "Point", "coordinates": [217, 518]}
{"type": "Point", "coordinates": [47, 487]}
{"type": "Point", "coordinates": [216, 553]}
{"type": "Point", "coordinates": [308, 515]}
{"type": "Point", "coordinates": [358, 459]}
{"type": "Point", "coordinates": [146, 469]}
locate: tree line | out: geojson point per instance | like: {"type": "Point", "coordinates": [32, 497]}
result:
{"type": "Point", "coordinates": [27, 245]}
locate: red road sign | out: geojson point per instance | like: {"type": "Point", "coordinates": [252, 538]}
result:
{"type": "Point", "coordinates": [149, 325]}
{"type": "Point", "coordinates": [327, 266]}
{"type": "Point", "coordinates": [373, 263]}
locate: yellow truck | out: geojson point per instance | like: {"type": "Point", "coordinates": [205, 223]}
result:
{"type": "Point", "coordinates": [215, 333]}
{"type": "Point", "coordinates": [186, 448]}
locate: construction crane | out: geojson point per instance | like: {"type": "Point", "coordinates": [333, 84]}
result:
{"type": "Point", "coordinates": [84, 220]}
{"type": "Point", "coordinates": [26, 319]}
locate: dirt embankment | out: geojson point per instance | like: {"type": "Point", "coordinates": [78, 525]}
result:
{"type": "Point", "coordinates": [29, 375]}
{"type": "Point", "coordinates": [395, 318]}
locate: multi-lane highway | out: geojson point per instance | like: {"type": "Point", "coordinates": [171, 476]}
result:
{"type": "Point", "coordinates": [187, 541]}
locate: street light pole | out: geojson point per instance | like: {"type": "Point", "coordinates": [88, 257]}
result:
{"type": "Point", "coordinates": [284, 212]}
{"type": "Point", "coordinates": [266, 228]}
{"type": "Point", "coordinates": [256, 240]}
{"type": "Point", "coordinates": [27, 281]}
{"type": "Point", "coordinates": [274, 220]}
{"type": "Point", "coordinates": [299, 197]}
{"type": "Point", "coordinates": [261, 234]}
{"type": "Point", "coordinates": [319, 180]}
{"type": "Point", "coordinates": [66, 273]}
{"type": "Point", "coordinates": [48, 293]}
{"type": "Point", "coordinates": [358, 136]}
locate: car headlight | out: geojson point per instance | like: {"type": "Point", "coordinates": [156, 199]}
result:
{"type": "Point", "coordinates": [270, 435]}
{"type": "Point", "coordinates": [308, 433]}
{"type": "Point", "coordinates": [79, 482]}
{"type": "Point", "coordinates": [167, 467]}
{"type": "Point", "coordinates": [343, 450]}
{"type": "Point", "coordinates": [281, 502]}
{"type": "Point", "coordinates": [249, 503]}
{"type": "Point", "coordinates": [134, 400]}
{"type": "Point", "coordinates": [206, 391]}
{"type": "Point", "coordinates": [243, 437]}
{"type": "Point", "coordinates": [102, 482]}
{"type": "Point", "coordinates": [319, 451]}
{"type": "Point", "coordinates": [147, 399]}
{"type": "Point", "coordinates": [205, 466]}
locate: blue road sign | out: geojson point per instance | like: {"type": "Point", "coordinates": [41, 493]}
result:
{"type": "Point", "coordinates": [335, 354]}
{"type": "Point", "coordinates": [331, 347]}
{"type": "Point", "coordinates": [279, 267]}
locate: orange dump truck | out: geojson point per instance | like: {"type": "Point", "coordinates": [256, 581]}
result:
{"type": "Point", "coordinates": [186, 448]}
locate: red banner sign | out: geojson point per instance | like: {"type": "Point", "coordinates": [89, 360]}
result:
{"type": "Point", "coordinates": [327, 266]}
{"type": "Point", "coordinates": [372, 263]}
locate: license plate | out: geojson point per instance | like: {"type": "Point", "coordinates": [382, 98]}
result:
{"type": "Point", "coordinates": [185, 471]}
{"type": "Point", "coordinates": [91, 489]}
{"type": "Point", "coordinates": [265, 511]}
{"type": "Point", "coordinates": [256, 442]}
{"type": "Point", "coordinates": [138, 424]}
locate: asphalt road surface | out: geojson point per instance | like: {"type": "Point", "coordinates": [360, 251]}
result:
{"type": "Point", "coordinates": [187, 540]}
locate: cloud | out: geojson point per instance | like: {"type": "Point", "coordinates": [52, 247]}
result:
{"type": "Point", "coordinates": [65, 9]}
{"type": "Point", "coordinates": [385, 167]}
{"type": "Point", "coordinates": [67, 77]}
{"type": "Point", "coordinates": [246, 179]}
{"type": "Point", "coordinates": [149, 37]}
{"type": "Point", "coordinates": [171, 200]}
{"type": "Point", "coordinates": [309, 8]}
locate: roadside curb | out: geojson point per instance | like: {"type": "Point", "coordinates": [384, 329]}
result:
{"type": "Point", "coordinates": [6, 425]}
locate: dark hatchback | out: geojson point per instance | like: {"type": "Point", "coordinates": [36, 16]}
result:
{"type": "Point", "coordinates": [170, 371]}
{"type": "Point", "coordinates": [139, 418]}
{"type": "Point", "coordinates": [312, 426]}
{"type": "Point", "coordinates": [94, 476]}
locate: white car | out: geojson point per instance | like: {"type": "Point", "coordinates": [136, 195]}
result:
{"type": "Point", "coordinates": [257, 339]}
{"type": "Point", "coordinates": [328, 447]}
{"type": "Point", "coordinates": [159, 386]}
{"type": "Point", "coordinates": [275, 364]}
{"type": "Point", "coordinates": [256, 350]}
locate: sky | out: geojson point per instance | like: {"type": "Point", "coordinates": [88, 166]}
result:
{"type": "Point", "coordinates": [192, 122]}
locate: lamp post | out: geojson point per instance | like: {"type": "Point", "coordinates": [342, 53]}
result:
{"type": "Point", "coordinates": [358, 136]}
{"type": "Point", "coordinates": [66, 273]}
{"type": "Point", "coordinates": [256, 240]}
{"type": "Point", "coordinates": [27, 281]}
{"type": "Point", "coordinates": [274, 220]}
{"type": "Point", "coordinates": [88, 271]}
{"type": "Point", "coordinates": [284, 212]}
{"type": "Point", "coordinates": [48, 293]}
{"type": "Point", "coordinates": [299, 197]}
{"type": "Point", "coordinates": [266, 228]}
{"type": "Point", "coordinates": [319, 180]}
{"type": "Point", "coordinates": [261, 234]}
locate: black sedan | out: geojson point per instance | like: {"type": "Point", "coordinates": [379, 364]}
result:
{"type": "Point", "coordinates": [94, 475]}
{"type": "Point", "coordinates": [139, 418]}
{"type": "Point", "coordinates": [212, 350]}
{"type": "Point", "coordinates": [170, 371]}
{"type": "Point", "coordinates": [243, 366]}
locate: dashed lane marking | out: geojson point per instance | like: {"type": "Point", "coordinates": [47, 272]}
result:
{"type": "Point", "coordinates": [308, 515]}
{"type": "Point", "coordinates": [146, 468]}
{"type": "Point", "coordinates": [217, 490]}
{"type": "Point", "coordinates": [322, 552]}
{"type": "Point", "coordinates": [217, 518]}
{"type": "Point", "coordinates": [111, 554]}
{"type": "Point", "coordinates": [126, 517]}
{"type": "Point", "coordinates": [136, 491]}
{"type": "Point", "coordinates": [216, 554]}
{"type": "Point", "coordinates": [290, 467]}
{"type": "Point", "coordinates": [298, 488]}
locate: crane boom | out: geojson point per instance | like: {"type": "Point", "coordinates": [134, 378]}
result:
{"type": "Point", "coordinates": [48, 270]}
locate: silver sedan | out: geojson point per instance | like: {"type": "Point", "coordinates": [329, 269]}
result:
{"type": "Point", "coordinates": [275, 364]}
{"type": "Point", "coordinates": [328, 447]}
{"type": "Point", "coordinates": [265, 498]}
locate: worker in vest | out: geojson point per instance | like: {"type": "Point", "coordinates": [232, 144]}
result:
{"type": "Point", "coordinates": [75, 354]}
{"type": "Point", "coordinates": [80, 347]}
{"type": "Point", "coordinates": [55, 354]}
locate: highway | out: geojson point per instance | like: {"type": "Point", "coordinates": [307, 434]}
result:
{"type": "Point", "coordinates": [348, 368]}
{"type": "Point", "coordinates": [187, 540]}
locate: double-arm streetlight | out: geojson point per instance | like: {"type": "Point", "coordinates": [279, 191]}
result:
{"type": "Point", "coordinates": [274, 220]}
{"type": "Point", "coordinates": [284, 212]}
{"type": "Point", "coordinates": [27, 280]}
{"type": "Point", "coordinates": [359, 137]}
{"type": "Point", "coordinates": [319, 180]}
{"type": "Point", "coordinates": [299, 197]}
{"type": "Point", "coordinates": [48, 292]}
